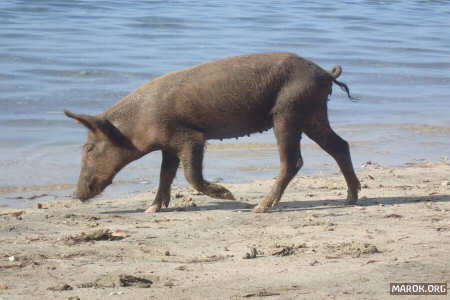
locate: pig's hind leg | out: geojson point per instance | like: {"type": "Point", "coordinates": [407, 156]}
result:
{"type": "Point", "coordinates": [319, 130]}
{"type": "Point", "coordinates": [288, 133]}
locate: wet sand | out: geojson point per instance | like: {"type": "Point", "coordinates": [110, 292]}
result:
{"type": "Point", "coordinates": [310, 247]}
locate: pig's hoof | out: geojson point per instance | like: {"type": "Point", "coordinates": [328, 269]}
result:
{"type": "Point", "coordinates": [228, 195]}
{"type": "Point", "coordinates": [351, 199]}
{"type": "Point", "coordinates": [274, 204]}
{"type": "Point", "coordinates": [260, 209]}
{"type": "Point", "coordinates": [166, 202]}
{"type": "Point", "coordinates": [219, 192]}
{"type": "Point", "coordinates": [153, 209]}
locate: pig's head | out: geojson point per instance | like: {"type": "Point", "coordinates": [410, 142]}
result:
{"type": "Point", "coordinates": [105, 152]}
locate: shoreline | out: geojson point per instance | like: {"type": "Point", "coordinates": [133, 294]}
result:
{"type": "Point", "coordinates": [311, 246]}
{"type": "Point", "coordinates": [53, 166]}
{"type": "Point", "coordinates": [58, 161]}
{"type": "Point", "coordinates": [27, 196]}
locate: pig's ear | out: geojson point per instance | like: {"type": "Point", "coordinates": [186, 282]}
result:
{"type": "Point", "coordinates": [90, 122]}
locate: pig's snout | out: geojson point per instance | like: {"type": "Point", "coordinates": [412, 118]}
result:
{"type": "Point", "coordinates": [88, 189]}
{"type": "Point", "coordinates": [80, 196]}
{"type": "Point", "coordinates": [85, 190]}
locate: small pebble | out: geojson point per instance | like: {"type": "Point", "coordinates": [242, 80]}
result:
{"type": "Point", "coordinates": [313, 263]}
{"type": "Point", "coordinates": [118, 293]}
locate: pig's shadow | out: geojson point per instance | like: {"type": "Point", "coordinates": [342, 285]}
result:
{"type": "Point", "coordinates": [300, 205]}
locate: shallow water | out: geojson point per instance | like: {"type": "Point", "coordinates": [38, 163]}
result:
{"type": "Point", "coordinates": [86, 55]}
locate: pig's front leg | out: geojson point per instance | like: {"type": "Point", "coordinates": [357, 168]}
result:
{"type": "Point", "coordinates": [169, 168]}
{"type": "Point", "coordinates": [191, 150]}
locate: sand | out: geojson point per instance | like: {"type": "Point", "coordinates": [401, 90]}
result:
{"type": "Point", "coordinates": [311, 247]}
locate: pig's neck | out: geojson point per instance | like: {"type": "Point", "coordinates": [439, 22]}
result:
{"type": "Point", "coordinates": [125, 116]}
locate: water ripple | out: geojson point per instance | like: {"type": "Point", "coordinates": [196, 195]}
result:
{"type": "Point", "coordinates": [85, 55]}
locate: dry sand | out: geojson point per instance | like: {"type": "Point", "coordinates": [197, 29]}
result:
{"type": "Point", "coordinates": [311, 247]}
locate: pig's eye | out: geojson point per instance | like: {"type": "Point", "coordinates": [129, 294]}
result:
{"type": "Point", "coordinates": [88, 147]}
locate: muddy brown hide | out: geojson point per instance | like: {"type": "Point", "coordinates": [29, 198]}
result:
{"type": "Point", "coordinates": [176, 113]}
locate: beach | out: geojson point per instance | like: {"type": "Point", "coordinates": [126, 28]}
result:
{"type": "Point", "coordinates": [310, 247]}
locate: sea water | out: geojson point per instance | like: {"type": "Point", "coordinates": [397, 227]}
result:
{"type": "Point", "coordinates": [86, 55]}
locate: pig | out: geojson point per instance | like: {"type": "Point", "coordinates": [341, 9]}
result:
{"type": "Point", "coordinates": [178, 112]}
